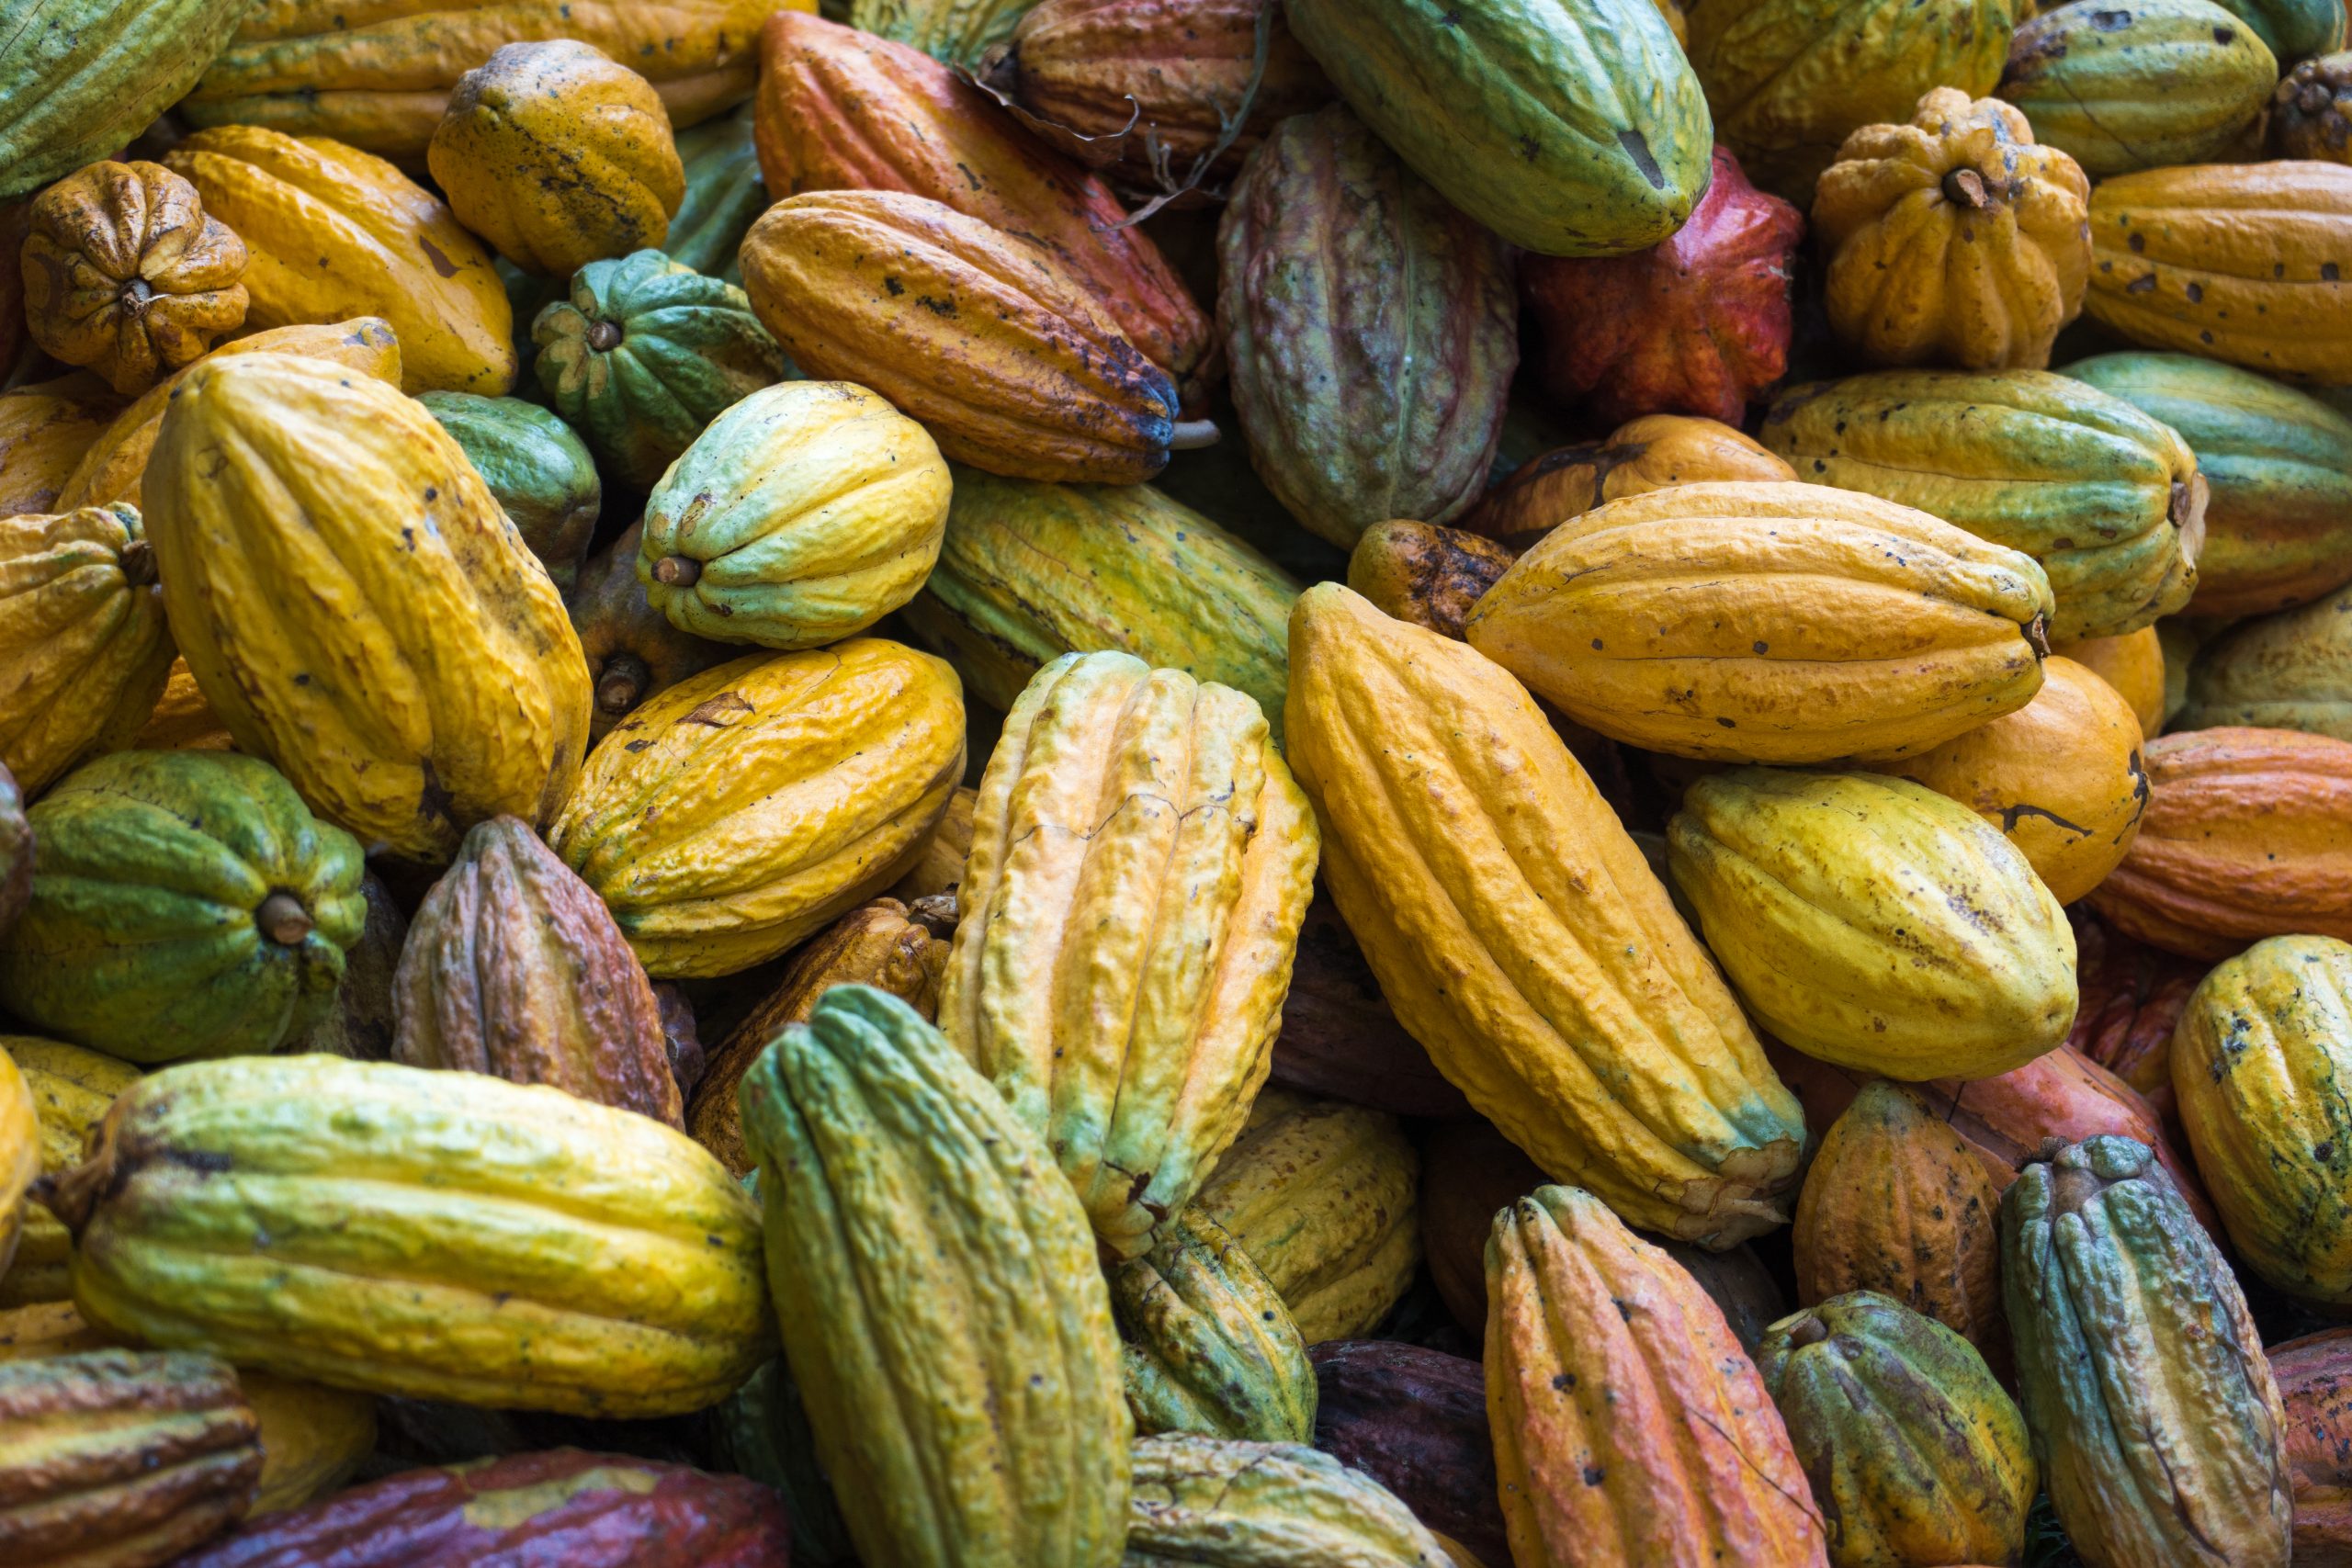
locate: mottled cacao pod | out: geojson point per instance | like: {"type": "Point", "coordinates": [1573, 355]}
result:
{"type": "Point", "coordinates": [1428, 575]}
{"type": "Point", "coordinates": [1207, 1345]}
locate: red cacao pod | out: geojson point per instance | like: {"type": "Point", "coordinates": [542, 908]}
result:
{"type": "Point", "coordinates": [1414, 1420]}
{"type": "Point", "coordinates": [1697, 324]}
{"type": "Point", "coordinates": [2132, 996]}
{"type": "Point", "coordinates": [2314, 1375]}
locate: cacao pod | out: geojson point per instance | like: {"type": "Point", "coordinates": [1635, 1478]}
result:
{"type": "Point", "coordinates": [1570, 127]}
{"type": "Point", "coordinates": [184, 904]}
{"type": "Point", "coordinates": [557, 156]}
{"type": "Point", "coordinates": [1141, 863]}
{"type": "Point", "coordinates": [359, 1022]}
{"type": "Point", "coordinates": [940, 869]}
{"type": "Point", "coordinates": [741, 811]}
{"type": "Point", "coordinates": [1906, 631]}
{"type": "Point", "coordinates": [2061, 777]}
{"type": "Point", "coordinates": [633, 651]}
{"type": "Point", "coordinates": [2243, 839]}
{"type": "Point", "coordinates": [724, 192]}
{"type": "Point", "coordinates": [1896, 1203]}
{"type": "Point", "coordinates": [1015, 1454]}
{"type": "Point", "coordinates": [1241, 1505]}
{"type": "Point", "coordinates": [1207, 1345]}
{"type": "Point", "coordinates": [116, 1459]}
{"type": "Point", "coordinates": [1654, 452]}
{"type": "Point", "coordinates": [2315, 1387]}
{"type": "Point", "coordinates": [1414, 1420]}
{"type": "Point", "coordinates": [2291, 670]}
{"type": "Point", "coordinates": [2156, 1421]}
{"type": "Point", "coordinates": [2133, 664]}
{"type": "Point", "coordinates": [514, 968]}
{"type": "Point", "coordinates": [2139, 86]}
{"type": "Point", "coordinates": [2293, 30]}
{"type": "Point", "coordinates": [20, 1154]}
{"type": "Point", "coordinates": [1470, 1171]}
{"type": "Point", "coordinates": [1473, 876]}
{"type": "Point", "coordinates": [432, 679]}
{"type": "Point", "coordinates": [1629, 1428]}
{"type": "Point", "coordinates": [442, 1235]}
{"type": "Point", "coordinates": [2311, 111]}
{"type": "Point", "coordinates": [2108, 500]}
{"type": "Point", "coordinates": [1914, 1452]}
{"type": "Point", "coordinates": [2279, 517]}
{"type": "Point", "coordinates": [84, 650]}
{"type": "Point", "coordinates": [1338, 1039]}
{"type": "Point", "coordinates": [761, 1432]}
{"type": "Point", "coordinates": [2235, 262]}
{"type": "Point", "coordinates": [1320, 1195]}
{"type": "Point", "coordinates": [312, 1438]}
{"type": "Point", "coordinates": [44, 430]}
{"type": "Point", "coordinates": [1369, 373]}
{"type": "Point", "coordinates": [1953, 239]}
{"type": "Point", "coordinates": [126, 272]}
{"type": "Point", "coordinates": [49, 1328]}
{"type": "Point", "coordinates": [393, 249]}
{"type": "Point", "coordinates": [1031, 571]}
{"type": "Point", "coordinates": [1425, 574]}
{"type": "Point", "coordinates": [71, 1089]}
{"type": "Point", "coordinates": [799, 516]}
{"type": "Point", "coordinates": [537, 469]}
{"type": "Point", "coordinates": [78, 78]}
{"type": "Point", "coordinates": [2132, 997]}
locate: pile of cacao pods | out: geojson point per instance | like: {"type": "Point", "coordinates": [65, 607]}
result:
{"type": "Point", "coordinates": [1286, 784]}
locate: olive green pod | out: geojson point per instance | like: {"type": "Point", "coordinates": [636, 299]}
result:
{"type": "Point", "coordinates": [2290, 671]}
{"type": "Point", "coordinates": [1238, 1505]}
{"type": "Point", "coordinates": [541, 472]}
{"type": "Point", "coordinates": [1209, 1347]}
{"type": "Point", "coordinates": [2156, 1421]}
{"type": "Point", "coordinates": [724, 192]}
{"type": "Point", "coordinates": [2109, 500]}
{"type": "Point", "coordinates": [1570, 127]}
{"type": "Point", "coordinates": [943, 1311]}
{"type": "Point", "coordinates": [2139, 84]}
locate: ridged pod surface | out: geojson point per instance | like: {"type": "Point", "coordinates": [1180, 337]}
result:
{"type": "Point", "coordinates": [2291, 670]}
{"type": "Point", "coordinates": [116, 1459]}
{"type": "Point", "coordinates": [2132, 999]}
{"type": "Point", "coordinates": [1873, 922]}
{"type": "Point", "coordinates": [185, 903]}
{"type": "Point", "coordinates": [2156, 1421]}
{"type": "Point", "coordinates": [956, 31]}
{"type": "Point", "coordinates": [1631, 1430]}
{"type": "Point", "coordinates": [1897, 1202]}
{"type": "Point", "coordinates": [1321, 1197]}
{"type": "Point", "coordinates": [979, 334]}
{"type": "Point", "coordinates": [1243, 1505]}
{"type": "Point", "coordinates": [1654, 452]}
{"type": "Point", "coordinates": [1030, 572]}
{"type": "Point", "coordinates": [2243, 839]}
{"type": "Point", "coordinates": [2310, 110]}
{"type": "Point", "coordinates": [2314, 1378]}
{"type": "Point", "coordinates": [1769, 622]}
{"type": "Point", "coordinates": [541, 473]}
{"type": "Point", "coordinates": [2261, 1047]}
{"type": "Point", "coordinates": [1339, 1038]}
{"type": "Point", "coordinates": [441, 1236]}
{"type": "Point", "coordinates": [1570, 127]}
{"type": "Point", "coordinates": [1207, 1345]}
{"type": "Point", "coordinates": [2107, 499]}
{"type": "Point", "coordinates": [514, 968]}
{"type": "Point", "coordinates": [799, 516]}
{"type": "Point", "coordinates": [1953, 239]}
{"type": "Point", "coordinates": [84, 650]}
{"type": "Point", "coordinates": [1141, 862]}
{"type": "Point", "coordinates": [430, 679]}
{"type": "Point", "coordinates": [724, 192]}
{"type": "Point", "coordinates": [2278, 467]}
{"type": "Point", "coordinates": [1499, 901]}
{"type": "Point", "coordinates": [1415, 1420]}
{"type": "Point", "coordinates": [1788, 79]}
{"type": "Point", "coordinates": [989, 1311]}
{"type": "Point", "coordinates": [2061, 777]}
{"type": "Point", "coordinates": [633, 652]}
{"type": "Point", "coordinates": [380, 77]}
{"type": "Point", "coordinates": [1372, 330]}
{"type": "Point", "coordinates": [841, 109]}
{"type": "Point", "coordinates": [2140, 86]}
{"type": "Point", "coordinates": [78, 78]}
{"type": "Point", "coordinates": [739, 812]}
{"type": "Point", "coordinates": [392, 249]}
{"type": "Point", "coordinates": [44, 430]}
{"type": "Point", "coordinates": [71, 1089]}
{"type": "Point", "coordinates": [1914, 1453]}
{"type": "Point", "coordinates": [2237, 262]}
{"type": "Point", "coordinates": [2294, 29]}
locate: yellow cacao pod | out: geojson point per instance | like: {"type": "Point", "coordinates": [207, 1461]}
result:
{"type": "Point", "coordinates": [71, 1087]}
{"type": "Point", "coordinates": [83, 651]}
{"type": "Point", "coordinates": [19, 1153]}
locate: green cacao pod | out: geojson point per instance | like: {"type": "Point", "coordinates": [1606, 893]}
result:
{"type": "Point", "coordinates": [2109, 500]}
{"type": "Point", "coordinates": [2156, 1421]}
{"type": "Point", "coordinates": [644, 353]}
{"type": "Point", "coordinates": [1241, 1505]}
{"type": "Point", "coordinates": [78, 78]}
{"type": "Point", "coordinates": [2256, 1061]}
{"type": "Point", "coordinates": [541, 472]}
{"type": "Point", "coordinates": [2138, 86]}
{"type": "Point", "coordinates": [801, 516]}
{"type": "Point", "coordinates": [2278, 466]}
{"type": "Point", "coordinates": [1030, 572]}
{"type": "Point", "coordinates": [990, 1309]}
{"type": "Point", "coordinates": [442, 1235]}
{"type": "Point", "coordinates": [2294, 29]}
{"type": "Point", "coordinates": [762, 1431]}
{"type": "Point", "coordinates": [1370, 375]}
{"type": "Point", "coordinates": [956, 31]}
{"type": "Point", "coordinates": [1140, 866]}
{"type": "Point", "coordinates": [1570, 127]}
{"type": "Point", "coordinates": [724, 192]}
{"type": "Point", "coordinates": [1914, 1453]}
{"type": "Point", "coordinates": [2291, 670]}
{"type": "Point", "coordinates": [184, 904]}
{"type": "Point", "coordinates": [1788, 79]}
{"type": "Point", "coordinates": [1208, 1346]}
{"type": "Point", "coordinates": [115, 1458]}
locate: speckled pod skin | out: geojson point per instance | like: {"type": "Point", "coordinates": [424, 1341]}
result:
{"type": "Point", "coordinates": [1243, 1505]}
{"type": "Point", "coordinates": [1206, 1342]}
{"type": "Point", "coordinates": [1141, 863]}
{"type": "Point", "coordinates": [2139, 86]}
{"type": "Point", "coordinates": [2291, 670]}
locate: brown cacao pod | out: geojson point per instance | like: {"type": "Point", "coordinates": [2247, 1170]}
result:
{"type": "Point", "coordinates": [1414, 1420]}
{"type": "Point", "coordinates": [1653, 452]}
{"type": "Point", "coordinates": [2311, 116]}
{"type": "Point", "coordinates": [1426, 573]}
{"type": "Point", "coordinates": [514, 968]}
{"type": "Point", "coordinates": [2132, 999]}
{"type": "Point", "coordinates": [1338, 1039]}
{"type": "Point", "coordinates": [632, 649]}
{"type": "Point", "coordinates": [364, 1016]}
{"type": "Point", "coordinates": [2314, 1377]}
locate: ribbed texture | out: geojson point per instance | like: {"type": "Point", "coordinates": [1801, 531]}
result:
{"type": "Point", "coordinates": [2287, 671]}
{"type": "Point", "coordinates": [1236, 1504]}
{"type": "Point", "coordinates": [78, 78]}
{"type": "Point", "coordinates": [83, 651]}
{"type": "Point", "coordinates": [2139, 86]}
{"type": "Point", "coordinates": [1206, 1342]}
